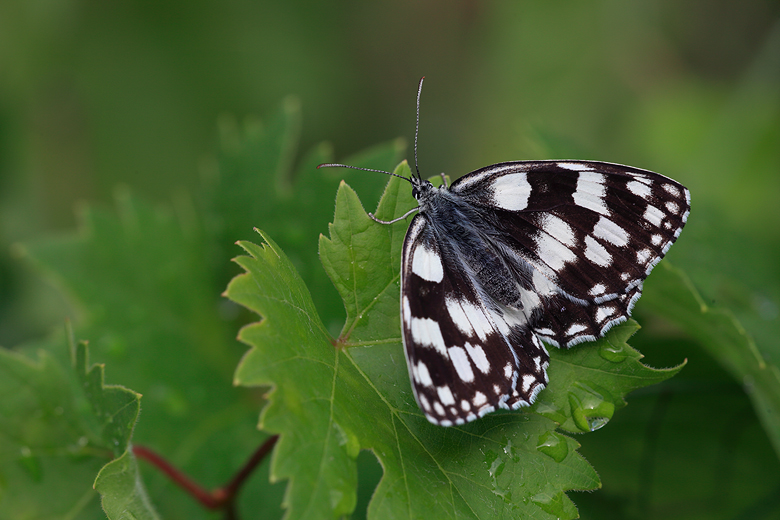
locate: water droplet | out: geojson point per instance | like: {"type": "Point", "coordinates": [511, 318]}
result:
{"type": "Point", "coordinates": [613, 353]}
{"type": "Point", "coordinates": [549, 410]}
{"type": "Point", "coordinates": [510, 450]}
{"type": "Point", "coordinates": [596, 423]}
{"type": "Point", "coordinates": [552, 504]}
{"type": "Point", "coordinates": [591, 406]}
{"type": "Point", "coordinates": [348, 440]}
{"type": "Point", "coordinates": [504, 493]}
{"type": "Point", "coordinates": [553, 445]}
{"type": "Point", "coordinates": [497, 467]}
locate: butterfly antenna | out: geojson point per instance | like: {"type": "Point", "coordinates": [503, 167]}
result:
{"type": "Point", "coordinates": [337, 165]}
{"type": "Point", "coordinates": [417, 127]}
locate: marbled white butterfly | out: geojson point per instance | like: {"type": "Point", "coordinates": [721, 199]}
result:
{"type": "Point", "coordinates": [515, 254]}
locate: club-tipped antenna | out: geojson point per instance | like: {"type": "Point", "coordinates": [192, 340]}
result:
{"type": "Point", "coordinates": [417, 127]}
{"type": "Point", "coordinates": [338, 165]}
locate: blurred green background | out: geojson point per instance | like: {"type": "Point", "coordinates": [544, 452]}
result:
{"type": "Point", "coordinates": [99, 94]}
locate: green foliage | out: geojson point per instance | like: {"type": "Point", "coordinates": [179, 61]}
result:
{"type": "Point", "coordinates": [331, 399]}
{"type": "Point", "coordinates": [145, 282]}
{"type": "Point", "coordinates": [58, 426]}
{"type": "Point", "coordinates": [673, 296]}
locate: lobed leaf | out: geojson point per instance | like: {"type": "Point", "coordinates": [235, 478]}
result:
{"type": "Point", "coordinates": [58, 426]}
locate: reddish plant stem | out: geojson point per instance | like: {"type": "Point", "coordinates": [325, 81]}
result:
{"type": "Point", "coordinates": [220, 498]}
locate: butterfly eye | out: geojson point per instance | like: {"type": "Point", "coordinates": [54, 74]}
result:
{"type": "Point", "coordinates": [415, 192]}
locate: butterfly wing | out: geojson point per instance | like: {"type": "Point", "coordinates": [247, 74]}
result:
{"type": "Point", "coordinates": [465, 358]}
{"type": "Point", "coordinates": [592, 232]}
{"type": "Point", "coordinates": [538, 250]}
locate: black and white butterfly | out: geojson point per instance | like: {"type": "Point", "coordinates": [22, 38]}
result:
{"type": "Point", "coordinates": [516, 254]}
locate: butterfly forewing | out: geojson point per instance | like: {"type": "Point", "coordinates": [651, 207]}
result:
{"type": "Point", "coordinates": [518, 252]}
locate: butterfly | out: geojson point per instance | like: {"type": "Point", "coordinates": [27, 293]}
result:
{"type": "Point", "coordinates": [515, 255]}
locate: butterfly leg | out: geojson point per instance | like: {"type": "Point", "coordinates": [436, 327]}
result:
{"type": "Point", "coordinates": [395, 219]}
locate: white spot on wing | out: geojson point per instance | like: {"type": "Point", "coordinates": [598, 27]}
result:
{"type": "Point", "coordinates": [438, 408]}
{"type": "Point", "coordinates": [528, 380]}
{"type": "Point", "coordinates": [461, 363]}
{"type": "Point", "coordinates": [653, 215]}
{"type": "Point", "coordinates": [458, 316]}
{"type": "Point", "coordinates": [596, 253]}
{"type": "Point", "coordinates": [479, 399]}
{"type": "Point", "coordinates": [426, 264]}
{"type": "Point", "coordinates": [575, 329]}
{"type": "Point", "coordinates": [577, 167]}
{"type": "Point", "coordinates": [559, 228]}
{"type": "Point", "coordinates": [511, 191]}
{"type": "Point", "coordinates": [610, 232]}
{"type": "Point", "coordinates": [407, 311]}
{"type": "Point", "coordinates": [477, 319]}
{"type": "Point", "coordinates": [639, 189]}
{"type": "Point", "coordinates": [551, 242]}
{"type": "Point", "coordinates": [423, 376]}
{"type": "Point", "coordinates": [671, 189]}
{"type": "Point", "coordinates": [597, 290]}
{"type": "Point", "coordinates": [427, 333]}
{"type": "Point", "coordinates": [672, 207]}
{"type": "Point", "coordinates": [590, 192]}
{"type": "Point", "coordinates": [479, 358]}
{"type": "Point", "coordinates": [445, 394]}
{"type": "Point", "coordinates": [604, 312]}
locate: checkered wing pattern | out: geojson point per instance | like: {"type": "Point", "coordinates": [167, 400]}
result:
{"type": "Point", "coordinates": [519, 253]}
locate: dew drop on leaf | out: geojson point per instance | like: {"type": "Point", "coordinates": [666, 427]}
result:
{"type": "Point", "coordinates": [553, 445]}
{"type": "Point", "coordinates": [552, 504]}
{"type": "Point", "coordinates": [613, 353]}
{"type": "Point", "coordinates": [591, 406]}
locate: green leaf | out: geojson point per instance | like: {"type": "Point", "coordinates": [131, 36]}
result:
{"type": "Point", "coordinates": [673, 296]}
{"type": "Point", "coordinates": [58, 426]}
{"type": "Point", "coordinates": [117, 408]}
{"type": "Point", "coordinates": [331, 398]}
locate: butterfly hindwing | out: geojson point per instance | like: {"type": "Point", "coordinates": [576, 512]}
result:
{"type": "Point", "coordinates": [465, 359]}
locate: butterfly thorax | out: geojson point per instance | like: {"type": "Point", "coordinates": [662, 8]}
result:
{"type": "Point", "coordinates": [463, 235]}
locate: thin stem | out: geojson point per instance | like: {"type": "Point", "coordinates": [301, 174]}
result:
{"type": "Point", "coordinates": [221, 498]}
